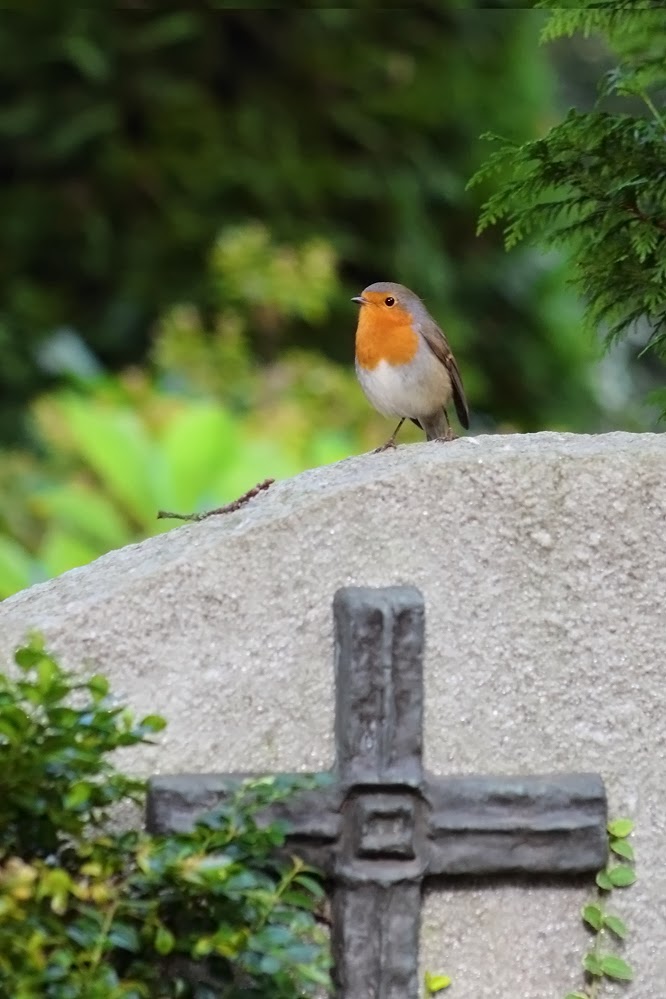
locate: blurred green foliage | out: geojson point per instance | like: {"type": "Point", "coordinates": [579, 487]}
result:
{"type": "Point", "coordinates": [89, 912]}
{"type": "Point", "coordinates": [131, 134]}
{"type": "Point", "coordinates": [202, 426]}
{"type": "Point", "coordinates": [596, 182]}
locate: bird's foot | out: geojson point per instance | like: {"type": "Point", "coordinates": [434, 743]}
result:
{"type": "Point", "coordinates": [448, 436]}
{"type": "Point", "coordinates": [386, 447]}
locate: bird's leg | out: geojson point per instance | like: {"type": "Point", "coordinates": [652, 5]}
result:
{"type": "Point", "coordinates": [448, 434]}
{"type": "Point", "coordinates": [391, 441]}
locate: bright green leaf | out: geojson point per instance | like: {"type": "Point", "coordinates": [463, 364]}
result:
{"type": "Point", "coordinates": [593, 916]}
{"type": "Point", "coordinates": [98, 685]}
{"type": "Point", "coordinates": [620, 828]}
{"type": "Point", "coordinates": [59, 903]}
{"type": "Point", "coordinates": [592, 965]}
{"type": "Point", "coordinates": [298, 899]}
{"type": "Point", "coordinates": [200, 441]}
{"type": "Point", "coordinates": [616, 926]}
{"type": "Point", "coordinates": [114, 443]}
{"type": "Point", "coordinates": [81, 509]}
{"type": "Point", "coordinates": [436, 983]}
{"type": "Point", "coordinates": [621, 876]}
{"type": "Point", "coordinates": [79, 796]}
{"type": "Point", "coordinates": [614, 967]}
{"type": "Point", "coordinates": [153, 723]}
{"type": "Point", "coordinates": [46, 672]}
{"type": "Point", "coordinates": [27, 657]}
{"type": "Point", "coordinates": [622, 848]}
{"type": "Point", "coordinates": [259, 458]}
{"type": "Point", "coordinates": [164, 940]}
{"type": "Point", "coordinates": [603, 881]}
{"type": "Point", "coordinates": [314, 974]}
{"type": "Point", "coordinates": [202, 947]}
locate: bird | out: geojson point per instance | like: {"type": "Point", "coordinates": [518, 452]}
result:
{"type": "Point", "coordinates": [404, 363]}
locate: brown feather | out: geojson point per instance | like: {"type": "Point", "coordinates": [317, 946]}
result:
{"type": "Point", "coordinates": [438, 344]}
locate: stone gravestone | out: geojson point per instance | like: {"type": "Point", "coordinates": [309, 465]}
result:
{"type": "Point", "coordinates": [543, 565]}
{"type": "Point", "coordinates": [385, 825]}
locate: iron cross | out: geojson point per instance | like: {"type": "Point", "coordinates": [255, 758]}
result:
{"type": "Point", "coordinates": [385, 825]}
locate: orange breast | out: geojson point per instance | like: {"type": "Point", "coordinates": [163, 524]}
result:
{"type": "Point", "coordinates": [379, 338]}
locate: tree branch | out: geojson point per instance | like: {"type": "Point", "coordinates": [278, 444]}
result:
{"type": "Point", "coordinates": [634, 210]}
{"type": "Point", "coordinates": [228, 508]}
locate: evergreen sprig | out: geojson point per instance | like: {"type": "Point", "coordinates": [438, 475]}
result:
{"type": "Point", "coordinates": [596, 182]}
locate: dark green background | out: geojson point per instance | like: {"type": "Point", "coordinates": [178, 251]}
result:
{"type": "Point", "coordinates": [130, 137]}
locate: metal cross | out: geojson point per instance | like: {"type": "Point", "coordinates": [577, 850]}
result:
{"type": "Point", "coordinates": [385, 825]}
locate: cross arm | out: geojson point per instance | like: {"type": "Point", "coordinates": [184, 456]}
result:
{"type": "Point", "coordinates": [528, 825]}
{"type": "Point", "coordinates": [176, 801]}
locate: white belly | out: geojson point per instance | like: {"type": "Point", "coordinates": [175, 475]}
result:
{"type": "Point", "coordinates": [420, 389]}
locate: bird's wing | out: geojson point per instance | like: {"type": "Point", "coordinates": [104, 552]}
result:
{"type": "Point", "coordinates": [439, 346]}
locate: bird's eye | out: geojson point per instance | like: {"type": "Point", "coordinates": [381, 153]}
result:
{"type": "Point", "coordinates": [389, 301]}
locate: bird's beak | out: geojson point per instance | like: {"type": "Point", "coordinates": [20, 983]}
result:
{"type": "Point", "coordinates": [360, 300]}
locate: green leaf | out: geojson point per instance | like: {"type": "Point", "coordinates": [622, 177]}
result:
{"type": "Point", "coordinates": [167, 30]}
{"type": "Point", "coordinates": [621, 876]}
{"type": "Point", "coordinates": [316, 975]}
{"type": "Point", "coordinates": [593, 916]}
{"type": "Point", "coordinates": [271, 937]}
{"type": "Point", "coordinates": [622, 848]}
{"type": "Point", "coordinates": [577, 995]}
{"type": "Point", "coordinates": [27, 657]}
{"type": "Point", "coordinates": [124, 936]}
{"type": "Point", "coordinates": [91, 60]}
{"type": "Point", "coordinates": [616, 926]}
{"type": "Point", "coordinates": [153, 723]}
{"type": "Point", "coordinates": [13, 726]}
{"type": "Point", "coordinates": [620, 828]}
{"type": "Point", "coordinates": [47, 671]}
{"type": "Point", "coordinates": [82, 510]}
{"type": "Point", "coordinates": [603, 881]}
{"type": "Point", "coordinates": [300, 900]}
{"type": "Point", "coordinates": [436, 983]}
{"type": "Point", "coordinates": [614, 967]}
{"type": "Point", "coordinates": [200, 441]}
{"type": "Point", "coordinates": [592, 965]}
{"type": "Point", "coordinates": [164, 940]}
{"type": "Point", "coordinates": [310, 884]}
{"type": "Point", "coordinates": [114, 443]}
{"type": "Point", "coordinates": [98, 686]}
{"type": "Point", "coordinates": [203, 947]}
{"type": "Point", "coordinates": [78, 797]}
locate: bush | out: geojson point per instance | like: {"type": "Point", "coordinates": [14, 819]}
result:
{"type": "Point", "coordinates": [86, 913]}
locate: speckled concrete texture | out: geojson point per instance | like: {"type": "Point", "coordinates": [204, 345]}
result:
{"type": "Point", "coordinates": [542, 559]}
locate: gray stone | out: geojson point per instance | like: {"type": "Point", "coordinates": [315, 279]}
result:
{"type": "Point", "coordinates": [542, 560]}
{"type": "Point", "coordinates": [385, 825]}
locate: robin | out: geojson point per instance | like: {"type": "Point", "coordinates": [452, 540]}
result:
{"type": "Point", "coordinates": [404, 363]}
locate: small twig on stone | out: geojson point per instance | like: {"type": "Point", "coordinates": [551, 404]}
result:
{"type": "Point", "coordinates": [228, 508]}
